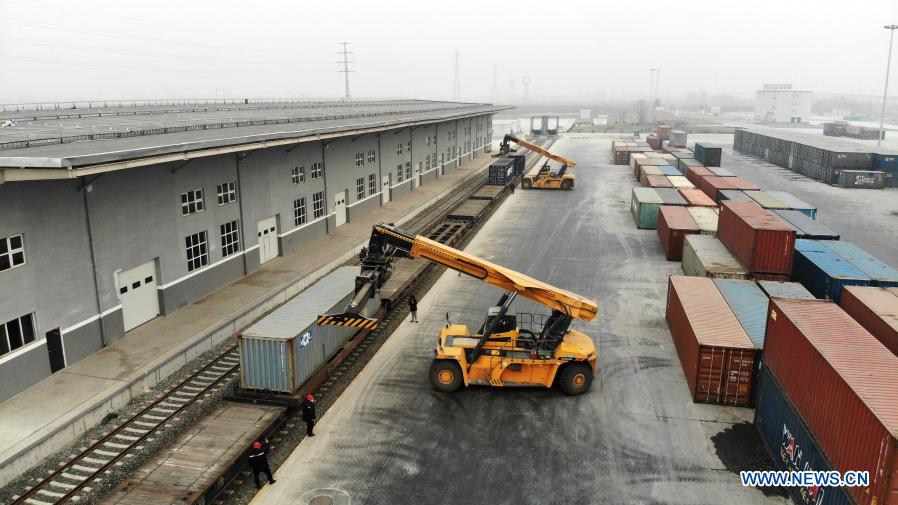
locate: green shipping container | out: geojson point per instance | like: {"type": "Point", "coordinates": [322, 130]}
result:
{"type": "Point", "coordinates": [645, 204]}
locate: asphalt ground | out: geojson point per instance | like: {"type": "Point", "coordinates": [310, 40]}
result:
{"type": "Point", "coordinates": [635, 437]}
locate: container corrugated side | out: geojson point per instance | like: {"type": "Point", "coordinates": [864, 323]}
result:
{"type": "Point", "coordinates": [760, 240]}
{"type": "Point", "coordinates": [824, 272]}
{"type": "Point", "coordinates": [670, 196]}
{"type": "Point", "coordinates": [669, 170]}
{"type": "Point", "coordinates": [713, 184]}
{"type": "Point", "coordinates": [795, 203]}
{"type": "Point", "coordinates": [695, 174]}
{"type": "Point", "coordinates": [749, 304]}
{"type": "Point", "coordinates": [842, 382]}
{"type": "Point", "coordinates": [644, 205]}
{"type": "Point", "coordinates": [717, 356]}
{"type": "Point", "coordinates": [876, 309]}
{"type": "Point", "coordinates": [655, 181]}
{"type": "Point", "coordinates": [721, 172]}
{"type": "Point", "coordinates": [695, 197]}
{"type": "Point", "coordinates": [791, 444]}
{"type": "Point", "coordinates": [705, 256]}
{"type": "Point", "coordinates": [680, 182]}
{"type": "Point", "coordinates": [705, 218]}
{"type": "Point", "coordinates": [785, 290]}
{"type": "Point", "coordinates": [882, 275]}
{"type": "Point", "coordinates": [766, 200]}
{"type": "Point", "coordinates": [674, 223]}
{"type": "Point", "coordinates": [266, 364]}
{"type": "Point", "coordinates": [708, 155]}
{"type": "Point", "coordinates": [634, 158]}
{"type": "Point", "coordinates": [806, 227]}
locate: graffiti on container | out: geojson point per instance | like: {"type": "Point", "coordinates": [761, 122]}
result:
{"type": "Point", "coordinates": [306, 339]}
{"type": "Point", "coordinates": [792, 455]}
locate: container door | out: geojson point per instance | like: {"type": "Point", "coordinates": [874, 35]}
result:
{"type": "Point", "coordinates": [268, 239]}
{"type": "Point", "coordinates": [55, 350]}
{"type": "Point", "coordinates": [710, 374]}
{"type": "Point", "coordinates": [739, 375]}
{"type": "Point", "coordinates": [340, 207]}
{"type": "Point", "coordinates": [385, 191]}
{"type": "Point", "coordinates": [138, 294]}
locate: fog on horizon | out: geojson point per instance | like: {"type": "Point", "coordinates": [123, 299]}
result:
{"type": "Point", "coordinates": [572, 51]}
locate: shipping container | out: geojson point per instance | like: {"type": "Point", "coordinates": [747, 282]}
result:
{"type": "Point", "coordinates": [674, 223]}
{"type": "Point", "coordinates": [644, 205]}
{"type": "Point", "coordinates": [717, 356]}
{"type": "Point", "coordinates": [670, 170]}
{"type": "Point", "coordinates": [843, 383]}
{"type": "Point", "coordinates": [695, 197]}
{"type": "Point", "coordinates": [881, 274]}
{"type": "Point", "coordinates": [795, 203]}
{"type": "Point", "coordinates": [648, 161]}
{"type": "Point", "coordinates": [721, 172]}
{"type": "Point", "coordinates": [705, 256]}
{"type": "Point", "coordinates": [806, 227]}
{"type": "Point", "coordinates": [682, 154]}
{"type": "Point", "coordinates": [695, 174]}
{"type": "Point", "coordinates": [708, 155]}
{"type": "Point", "coordinates": [501, 171]}
{"type": "Point", "coordinates": [712, 184]}
{"type": "Point", "coordinates": [670, 196]}
{"type": "Point", "coordinates": [785, 290]}
{"type": "Point", "coordinates": [621, 155]}
{"type": "Point", "coordinates": [824, 272]}
{"type": "Point", "coordinates": [876, 309]}
{"type": "Point", "coordinates": [684, 163]}
{"type": "Point", "coordinates": [864, 179]}
{"type": "Point", "coordinates": [887, 163]}
{"type": "Point", "coordinates": [653, 141]}
{"type": "Point", "coordinates": [766, 200]}
{"type": "Point", "coordinates": [678, 138]}
{"type": "Point", "coordinates": [791, 444]}
{"type": "Point", "coordinates": [749, 304]}
{"type": "Point", "coordinates": [705, 218]}
{"type": "Point", "coordinates": [733, 194]}
{"type": "Point", "coordinates": [285, 348]}
{"type": "Point", "coordinates": [758, 239]}
{"type": "Point", "coordinates": [680, 182]}
{"type": "Point", "coordinates": [649, 170]}
{"type": "Point", "coordinates": [663, 131]}
{"type": "Point", "coordinates": [655, 181]}
{"type": "Point", "coordinates": [634, 159]}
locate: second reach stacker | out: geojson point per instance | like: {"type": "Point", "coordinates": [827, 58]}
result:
{"type": "Point", "coordinates": [501, 353]}
{"type": "Point", "coordinates": [545, 178]}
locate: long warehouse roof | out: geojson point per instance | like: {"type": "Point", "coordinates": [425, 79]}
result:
{"type": "Point", "coordinates": [813, 139]}
{"type": "Point", "coordinates": [113, 138]}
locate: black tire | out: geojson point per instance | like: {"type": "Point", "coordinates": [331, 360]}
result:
{"type": "Point", "coordinates": [567, 185]}
{"type": "Point", "coordinates": [526, 184]}
{"type": "Point", "coordinates": [575, 379]}
{"type": "Point", "coordinates": [445, 375]}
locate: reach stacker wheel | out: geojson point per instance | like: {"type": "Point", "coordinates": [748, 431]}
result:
{"type": "Point", "coordinates": [566, 185]}
{"type": "Point", "coordinates": [526, 184]}
{"type": "Point", "coordinates": [445, 375]}
{"type": "Point", "coordinates": [575, 379]}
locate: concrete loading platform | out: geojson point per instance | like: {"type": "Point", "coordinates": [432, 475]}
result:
{"type": "Point", "coordinates": [636, 437]}
{"type": "Point", "coordinates": [48, 416]}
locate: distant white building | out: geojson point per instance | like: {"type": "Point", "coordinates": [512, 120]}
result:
{"type": "Point", "coordinates": [585, 114]}
{"type": "Point", "coordinates": [779, 103]}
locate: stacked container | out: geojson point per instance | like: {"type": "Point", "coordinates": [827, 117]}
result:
{"type": "Point", "coordinates": [644, 205]}
{"type": "Point", "coordinates": [501, 171]}
{"type": "Point", "coordinates": [663, 131]}
{"type": "Point", "coordinates": [733, 194]}
{"type": "Point", "coordinates": [678, 138]}
{"type": "Point", "coordinates": [696, 198]}
{"type": "Point", "coordinates": [717, 356]}
{"type": "Point", "coordinates": [708, 155]}
{"type": "Point", "coordinates": [795, 203]}
{"type": "Point", "coordinates": [655, 181]}
{"type": "Point", "coordinates": [705, 256]}
{"type": "Point", "coordinates": [749, 304]}
{"type": "Point", "coordinates": [781, 289]}
{"type": "Point", "coordinates": [864, 179]}
{"type": "Point", "coordinates": [806, 227]}
{"type": "Point", "coordinates": [695, 173]}
{"type": "Point", "coordinates": [880, 274]}
{"type": "Point", "coordinates": [674, 223]}
{"type": "Point", "coordinates": [758, 239]}
{"type": "Point", "coordinates": [705, 218]}
{"type": "Point", "coordinates": [680, 182]}
{"type": "Point", "coordinates": [876, 309]}
{"type": "Point", "coordinates": [842, 383]}
{"type": "Point", "coordinates": [712, 184]}
{"type": "Point", "coordinates": [824, 272]}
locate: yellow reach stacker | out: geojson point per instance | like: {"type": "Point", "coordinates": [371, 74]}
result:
{"type": "Point", "coordinates": [502, 352]}
{"type": "Point", "coordinates": [545, 178]}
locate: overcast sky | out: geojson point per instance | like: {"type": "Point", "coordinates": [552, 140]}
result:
{"type": "Point", "coordinates": [98, 49]}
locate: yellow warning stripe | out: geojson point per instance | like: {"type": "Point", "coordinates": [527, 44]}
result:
{"type": "Point", "coordinates": [369, 324]}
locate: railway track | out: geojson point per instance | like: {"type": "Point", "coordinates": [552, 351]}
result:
{"type": "Point", "coordinates": [72, 481]}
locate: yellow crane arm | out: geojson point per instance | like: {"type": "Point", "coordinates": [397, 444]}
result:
{"type": "Point", "coordinates": [387, 241]}
{"type": "Point", "coordinates": [537, 149]}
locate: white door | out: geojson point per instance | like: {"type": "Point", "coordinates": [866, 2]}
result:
{"type": "Point", "coordinates": [268, 239]}
{"type": "Point", "coordinates": [340, 207]}
{"type": "Point", "coordinates": [138, 295]}
{"type": "Point", "coordinates": [418, 175]}
{"type": "Point", "coordinates": [385, 191]}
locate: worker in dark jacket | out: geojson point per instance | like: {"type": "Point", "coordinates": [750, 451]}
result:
{"type": "Point", "coordinates": [413, 307]}
{"type": "Point", "coordinates": [308, 414]}
{"type": "Point", "coordinates": [258, 461]}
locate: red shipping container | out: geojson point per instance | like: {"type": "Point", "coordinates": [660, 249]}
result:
{"type": "Point", "coordinates": [674, 223]}
{"type": "Point", "coordinates": [712, 184]}
{"type": "Point", "coordinates": [653, 141]}
{"type": "Point", "coordinates": [621, 156]}
{"type": "Point", "coordinates": [756, 237]}
{"type": "Point", "coordinates": [655, 181]}
{"type": "Point", "coordinates": [663, 132]}
{"type": "Point", "coordinates": [844, 384]}
{"type": "Point", "coordinates": [696, 173]}
{"type": "Point", "coordinates": [755, 276]}
{"type": "Point", "coordinates": [876, 309]}
{"type": "Point", "coordinates": [717, 356]}
{"type": "Point", "coordinates": [696, 198]}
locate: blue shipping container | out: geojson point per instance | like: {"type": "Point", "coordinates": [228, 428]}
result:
{"type": "Point", "coordinates": [749, 304]}
{"type": "Point", "coordinates": [791, 444]}
{"type": "Point", "coordinates": [824, 272]}
{"type": "Point", "coordinates": [881, 274]}
{"type": "Point", "coordinates": [669, 170]}
{"type": "Point", "coordinates": [776, 289]}
{"type": "Point", "coordinates": [885, 162]}
{"type": "Point", "coordinates": [806, 227]}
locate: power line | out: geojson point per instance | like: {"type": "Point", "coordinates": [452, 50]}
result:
{"type": "Point", "coordinates": [345, 52]}
{"type": "Point", "coordinates": [456, 87]}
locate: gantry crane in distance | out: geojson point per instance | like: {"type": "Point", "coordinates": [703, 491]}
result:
{"type": "Point", "coordinates": [499, 353]}
{"type": "Point", "coordinates": [546, 178]}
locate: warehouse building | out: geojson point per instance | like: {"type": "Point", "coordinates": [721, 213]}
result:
{"type": "Point", "coordinates": [112, 216]}
{"type": "Point", "coordinates": [779, 103]}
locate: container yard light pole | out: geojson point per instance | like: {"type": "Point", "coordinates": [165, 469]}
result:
{"type": "Point", "coordinates": [882, 113]}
